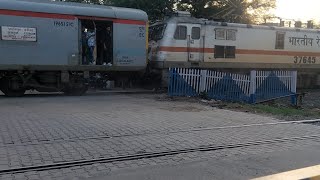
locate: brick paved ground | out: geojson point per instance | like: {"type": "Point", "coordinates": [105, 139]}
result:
{"type": "Point", "coordinates": [39, 130]}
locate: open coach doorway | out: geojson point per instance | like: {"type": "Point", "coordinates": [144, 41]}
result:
{"type": "Point", "coordinates": [96, 42]}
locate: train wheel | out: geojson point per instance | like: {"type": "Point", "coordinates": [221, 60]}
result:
{"type": "Point", "coordinates": [78, 87]}
{"type": "Point", "coordinates": [13, 86]}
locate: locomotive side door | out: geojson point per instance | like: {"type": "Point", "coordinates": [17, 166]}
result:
{"type": "Point", "coordinates": [194, 42]}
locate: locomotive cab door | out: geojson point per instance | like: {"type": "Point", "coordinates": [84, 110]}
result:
{"type": "Point", "coordinates": [194, 42]}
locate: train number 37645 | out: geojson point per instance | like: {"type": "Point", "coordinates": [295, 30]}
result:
{"type": "Point", "coordinates": [305, 60]}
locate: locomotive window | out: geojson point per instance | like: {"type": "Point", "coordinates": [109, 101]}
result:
{"type": "Point", "coordinates": [280, 40]}
{"type": "Point", "coordinates": [231, 34]}
{"type": "Point", "coordinates": [224, 52]}
{"type": "Point", "coordinates": [230, 52]}
{"type": "Point", "coordinates": [218, 51]}
{"type": "Point", "coordinates": [156, 32]}
{"type": "Point", "coordinates": [181, 33]}
{"type": "Point", "coordinates": [220, 34]}
{"type": "Point", "coordinates": [195, 33]}
{"type": "Point", "coordinates": [226, 34]}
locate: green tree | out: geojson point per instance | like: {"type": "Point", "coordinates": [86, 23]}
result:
{"type": "Point", "coordinates": [241, 11]}
{"type": "Point", "coordinates": [198, 8]}
{"type": "Point", "coordinates": [156, 9]}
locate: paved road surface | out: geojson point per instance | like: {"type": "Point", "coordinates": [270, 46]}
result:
{"type": "Point", "coordinates": [233, 167]}
{"type": "Point", "coordinates": [49, 129]}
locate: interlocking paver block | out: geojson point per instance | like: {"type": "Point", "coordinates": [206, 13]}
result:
{"type": "Point", "coordinates": [29, 136]}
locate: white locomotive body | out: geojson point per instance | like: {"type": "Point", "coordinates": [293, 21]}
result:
{"type": "Point", "coordinates": [184, 41]}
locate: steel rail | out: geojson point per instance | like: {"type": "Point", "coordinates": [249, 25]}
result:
{"type": "Point", "coordinates": [154, 154]}
{"type": "Point", "coordinates": [164, 132]}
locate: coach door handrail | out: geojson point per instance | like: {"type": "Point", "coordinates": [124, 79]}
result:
{"type": "Point", "coordinates": [203, 47]}
{"type": "Point", "coordinates": [188, 46]}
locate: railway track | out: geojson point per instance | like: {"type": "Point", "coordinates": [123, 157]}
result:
{"type": "Point", "coordinates": [166, 132]}
{"type": "Point", "coordinates": [155, 154]}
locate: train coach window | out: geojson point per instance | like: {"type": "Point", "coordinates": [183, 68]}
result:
{"type": "Point", "coordinates": [195, 33]}
{"type": "Point", "coordinates": [280, 40]}
{"type": "Point", "coordinates": [181, 33]}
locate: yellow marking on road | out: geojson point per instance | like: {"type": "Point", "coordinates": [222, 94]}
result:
{"type": "Point", "coordinates": [309, 173]}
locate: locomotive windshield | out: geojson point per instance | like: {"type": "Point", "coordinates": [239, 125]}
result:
{"type": "Point", "coordinates": [156, 32]}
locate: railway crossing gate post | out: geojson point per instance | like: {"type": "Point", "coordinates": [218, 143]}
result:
{"type": "Point", "coordinates": [253, 86]}
{"type": "Point", "coordinates": [293, 87]}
